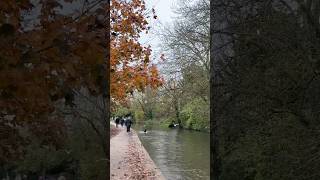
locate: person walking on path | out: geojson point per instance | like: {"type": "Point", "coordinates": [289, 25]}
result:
{"type": "Point", "coordinates": [128, 123]}
{"type": "Point", "coordinates": [117, 121]}
{"type": "Point", "coordinates": [121, 121]}
{"type": "Point", "coordinates": [125, 120]}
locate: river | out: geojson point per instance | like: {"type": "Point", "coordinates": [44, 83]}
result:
{"type": "Point", "coordinates": [180, 154]}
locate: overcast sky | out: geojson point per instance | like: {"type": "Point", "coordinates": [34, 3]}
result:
{"type": "Point", "coordinates": [164, 11]}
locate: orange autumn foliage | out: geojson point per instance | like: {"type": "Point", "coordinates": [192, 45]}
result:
{"type": "Point", "coordinates": [131, 67]}
{"type": "Point", "coordinates": [46, 53]}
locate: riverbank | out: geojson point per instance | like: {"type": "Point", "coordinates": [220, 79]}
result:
{"type": "Point", "coordinates": [165, 125]}
{"type": "Point", "coordinates": [129, 159]}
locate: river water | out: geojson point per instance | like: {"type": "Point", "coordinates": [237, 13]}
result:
{"type": "Point", "coordinates": [180, 154]}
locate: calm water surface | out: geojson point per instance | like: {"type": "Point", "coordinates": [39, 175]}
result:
{"type": "Point", "coordinates": [180, 154]}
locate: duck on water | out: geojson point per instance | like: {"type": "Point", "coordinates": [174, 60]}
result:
{"type": "Point", "coordinates": [173, 125]}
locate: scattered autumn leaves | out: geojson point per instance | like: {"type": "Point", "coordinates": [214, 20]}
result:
{"type": "Point", "coordinates": [136, 161]}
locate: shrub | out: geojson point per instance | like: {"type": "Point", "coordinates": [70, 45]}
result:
{"type": "Point", "coordinates": [121, 111]}
{"type": "Point", "coordinates": [139, 116]}
{"type": "Point", "coordinates": [195, 115]}
{"type": "Point", "coordinates": [165, 122]}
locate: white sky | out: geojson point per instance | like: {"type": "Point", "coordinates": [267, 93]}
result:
{"type": "Point", "coordinates": [164, 11]}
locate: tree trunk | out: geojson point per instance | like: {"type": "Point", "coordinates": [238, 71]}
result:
{"type": "Point", "coordinates": [106, 92]}
{"type": "Point", "coordinates": [214, 140]}
{"type": "Point", "coordinates": [176, 107]}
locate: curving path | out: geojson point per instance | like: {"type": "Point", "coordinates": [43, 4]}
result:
{"type": "Point", "coordinates": [129, 159]}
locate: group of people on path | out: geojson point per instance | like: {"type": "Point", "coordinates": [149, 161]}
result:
{"type": "Point", "coordinates": [124, 120]}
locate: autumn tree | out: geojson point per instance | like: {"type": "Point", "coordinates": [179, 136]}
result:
{"type": "Point", "coordinates": [53, 54]}
{"type": "Point", "coordinates": [131, 66]}
{"type": "Point", "coordinates": [48, 51]}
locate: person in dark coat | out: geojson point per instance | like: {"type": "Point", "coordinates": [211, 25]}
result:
{"type": "Point", "coordinates": [117, 121]}
{"type": "Point", "coordinates": [121, 121]}
{"type": "Point", "coordinates": [128, 123]}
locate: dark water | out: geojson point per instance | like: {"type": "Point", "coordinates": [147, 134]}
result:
{"type": "Point", "coordinates": [180, 154]}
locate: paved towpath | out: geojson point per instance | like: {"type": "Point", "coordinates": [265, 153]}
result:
{"type": "Point", "coordinates": [129, 159]}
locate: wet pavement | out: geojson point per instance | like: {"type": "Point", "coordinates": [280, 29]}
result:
{"type": "Point", "coordinates": [129, 159]}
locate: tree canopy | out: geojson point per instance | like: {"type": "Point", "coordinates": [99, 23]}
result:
{"type": "Point", "coordinates": [131, 66]}
{"type": "Point", "coordinates": [54, 51]}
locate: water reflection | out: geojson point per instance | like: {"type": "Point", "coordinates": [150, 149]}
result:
{"type": "Point", "coordinates": [180, 154]}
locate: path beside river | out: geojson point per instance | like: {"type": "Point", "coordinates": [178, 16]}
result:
{"type": "Point", "coordinates": [129, 159]}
